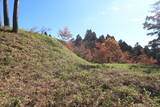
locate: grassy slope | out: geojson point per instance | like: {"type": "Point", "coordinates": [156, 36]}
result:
{"type": "Point", "coordinates": [36, 70]}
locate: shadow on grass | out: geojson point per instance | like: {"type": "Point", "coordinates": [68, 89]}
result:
{"type": "Point", "coordinates": [153, 92]}
{"type": "Point", "coordinates": [146, 69]}
{"type": "Point", "coordinates": [96, 66]}
{"type": "Point", "coordinates": [6, 29]}
{"type": "Point", "coordinates": [88, 67]}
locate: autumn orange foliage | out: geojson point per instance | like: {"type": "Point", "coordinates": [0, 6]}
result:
{"type": "Point", "coordinates": [109, 51]}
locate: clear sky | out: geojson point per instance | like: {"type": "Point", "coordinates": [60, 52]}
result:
{"type": "Point", "coordinates": [121, 18]}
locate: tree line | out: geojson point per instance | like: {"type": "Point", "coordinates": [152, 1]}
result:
{"type": "Point", "coordinates": [105, 49]}
{"type": "Point", "coordinates": [15, 15]}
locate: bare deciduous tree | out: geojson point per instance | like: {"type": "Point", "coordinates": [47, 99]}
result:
{"type": "Point", "coordinates": [65, 34]}
{"type": "Point", "coordinates": [44, 30]}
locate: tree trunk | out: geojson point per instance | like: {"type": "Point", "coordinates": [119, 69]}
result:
{"type": "Point", "coordinates": [0, 21]}
{"type": "Point", "coordinates": [15, 16]}
{"type": "Point", "coordinates": [5, 11]}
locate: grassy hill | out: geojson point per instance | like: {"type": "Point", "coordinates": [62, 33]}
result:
{"type": "Point", "coordinates": [38, 71]}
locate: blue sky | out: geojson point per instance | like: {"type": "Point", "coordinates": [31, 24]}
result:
{"type": "Point", "coordinates": [121, 18]}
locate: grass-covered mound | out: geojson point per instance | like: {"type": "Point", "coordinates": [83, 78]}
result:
{"type": "Point", "coordinates": [38, 71]}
